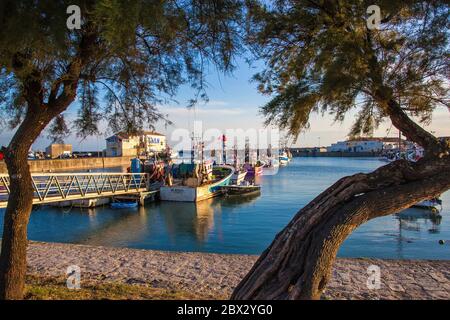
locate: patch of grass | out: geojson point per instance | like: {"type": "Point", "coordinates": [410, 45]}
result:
{"type": "Point", "coordinates": [38, 288]}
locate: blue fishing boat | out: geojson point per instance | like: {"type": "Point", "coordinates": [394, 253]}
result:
{"type": "Point", "coordinates": [124, 205]}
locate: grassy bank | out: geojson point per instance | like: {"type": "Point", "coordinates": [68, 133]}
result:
{"type": "Point", "coordinates": [39, 288]}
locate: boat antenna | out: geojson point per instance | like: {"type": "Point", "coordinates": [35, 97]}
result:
{"type": "Point", "coordinates": [224, 155]}
{"type": "Point", "coordinates": [192, 148]}
{"type": "Point", "coordinates": [235, 157]}
{"type": "Point", "coordinates": [202, 145]}
{"type": "Point", "coordinates": [247, 151]}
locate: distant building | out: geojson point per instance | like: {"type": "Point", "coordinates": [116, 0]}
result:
{"type": "Point", "coordinates": [122, 144]}
{"type": "Point", "coordinates": [309, 149]}
{"type": "Point", "coordinates": [366, 145]}
{"type": "Point", "coordinates": [57, 150]}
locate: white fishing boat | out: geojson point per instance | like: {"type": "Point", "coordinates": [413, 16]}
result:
{"type": "Point", "coordinates": [283, 161]}
{"type": "Point", "coordinates": [434, 204]}
{"type": "Point", "coordinates": [196, 188]}
{"type": "Point", "coordinates": [283, 158]}
{"type": "Point", "coordinates": [271, 167]}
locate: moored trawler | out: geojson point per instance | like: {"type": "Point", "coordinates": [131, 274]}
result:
{"type": "Point", "coordinates": [238, 176]}
{"type": "Point", "coordinates": [195, 182]}
{"type": "Point", "coordinates": [283, 159]}
{"type": "Point", "coordinates": [433, 204]}
{"type": "Point", "coordinates": [254, 170]}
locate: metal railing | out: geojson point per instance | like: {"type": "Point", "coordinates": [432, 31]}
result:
{"type": "Point", "coordinates": [54, 187]}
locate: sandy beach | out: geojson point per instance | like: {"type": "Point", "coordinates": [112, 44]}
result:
{"type": "Point", "coordinates": [215, 275]}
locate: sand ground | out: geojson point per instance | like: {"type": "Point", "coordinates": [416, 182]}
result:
{"type": "Point", "coordinates": [215, 275]}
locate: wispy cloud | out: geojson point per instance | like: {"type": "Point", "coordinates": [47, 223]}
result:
{"type": "Point", "coordinates": [215, 103]}
{"type": "Point", "coordinates": [180, 111]}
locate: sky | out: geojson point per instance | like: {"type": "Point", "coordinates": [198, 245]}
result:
{"type": "Point", "coordinates": [233, 103]}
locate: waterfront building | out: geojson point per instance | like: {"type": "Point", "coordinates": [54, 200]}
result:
{"type": "Point", "coordinates": [370, 144]}
{"type": "Point", "coordinates": [309, 149]}
{"type": "Point", "coordinates": [122, 144]}
{"type": "Point", "coordinates": [58, 150]}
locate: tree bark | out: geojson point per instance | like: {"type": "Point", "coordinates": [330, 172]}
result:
{"type": "Point", "coordinates": [38, 116]}
{"type": "Point", "coordinates": [14, 243]}
{"type": "Point", "coordinates": [298, 263]}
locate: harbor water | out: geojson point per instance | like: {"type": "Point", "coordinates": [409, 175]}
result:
{"type": "Point", "coordinates": [247, 225]}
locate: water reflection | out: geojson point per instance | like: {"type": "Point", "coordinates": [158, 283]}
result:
{"type": "Point", "coordinates": [412, 220]}
{"type": "Point", "coordinates": [127, 226]}
{"type": "Point", "coordinates": [247, 224]}
{"type": "Point", "coordinates": [190, 218]}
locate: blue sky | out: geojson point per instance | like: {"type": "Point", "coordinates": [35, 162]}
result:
{"type": "Point", "coordinates": [234, 104]}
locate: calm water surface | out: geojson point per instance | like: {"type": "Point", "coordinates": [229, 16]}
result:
{"type": "Point", "coordinates": [247, 225]}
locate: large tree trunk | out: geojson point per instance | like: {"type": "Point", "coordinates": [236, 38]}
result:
{"type": "Point", "coordinates": [38, 116]}
{"type": "Point", "coordinates": [14, 243]}
{"type": "Point", "coordinates": [298, 263]}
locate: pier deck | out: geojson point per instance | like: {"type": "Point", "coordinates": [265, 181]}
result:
{"type": "Point", "coordinates": [56, 187]}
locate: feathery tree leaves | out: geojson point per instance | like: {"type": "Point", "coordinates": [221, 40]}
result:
{"type": "Point", "coordinates": [322, 57]}
{"type": "Point", "coordinates": [127, 58]}
{"type": "Point", "coordinates": [317, 59]}
{"type": "Point", "coordinates": [144, 50]}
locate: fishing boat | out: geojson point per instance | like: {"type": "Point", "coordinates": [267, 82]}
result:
{"type": "Point", "coordinates": [239, 172]}
{"type": "Point", "coordinates": [434, 204]}
{"type": "Point", "coordinates": [271, 163]}
{"type": "Point", "coordinates": [194, 182]}
{"type": "Point", "coordinates": [283, 159]}
{"type": "Point", "coordinates": [238, 176]}
{"type": "Point", "coordinates": [124, 205]}
{"type": "Point", "coordinates": [271, 167]}
{"type": "Point", "coordinates": [241, 190]}
{"type": "Point", "coordinates": [254, 170]}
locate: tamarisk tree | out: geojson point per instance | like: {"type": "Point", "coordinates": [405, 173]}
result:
{"type": "Point", "coordinates": [126, 58]}
{"type": "Point", "coordinates": [323, 56]}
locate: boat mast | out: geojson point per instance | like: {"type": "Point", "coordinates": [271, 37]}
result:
{"type": "Point", "coordinates": [235, 157]}
{"type": "Point", "coordinates": [224, 155]}
{"type": "Point", "coordinates": [192, 148]}
{"type": "Point", "coordinates": [247, 151]}
{"type": "Point", "coordinates": [202, 147]}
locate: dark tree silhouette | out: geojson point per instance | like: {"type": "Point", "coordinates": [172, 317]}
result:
{"type": "Point", "coordinates": [138, 52]}
{"type": "Point", "coordinates": [322, 57]}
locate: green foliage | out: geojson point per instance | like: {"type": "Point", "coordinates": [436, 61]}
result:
{"type": "Point", "coordinates": [58, 129]}
{"type": "Point", "coordinates": [142, 52]}
{"type": "Point", "coordinates": [318, 56]}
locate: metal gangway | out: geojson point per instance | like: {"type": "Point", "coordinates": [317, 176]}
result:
{"type": "Point", "coordinates": [56, 187]}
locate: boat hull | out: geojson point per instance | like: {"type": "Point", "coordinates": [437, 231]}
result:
{"type": "Point", "coordinates": [238, 177]}
{"type": "Point", "coordinates": [432, 204]}
{"type": "Point", "coordinates": [194, 194]}
{"type": "Point", "coordinates": [283, 161]}
{"type": "Point", "coordinates": [241, 190]}
{"type": "Point", "coordinates": [254, 171]}
{"type": "Point", "coordinates": [123, 205]}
